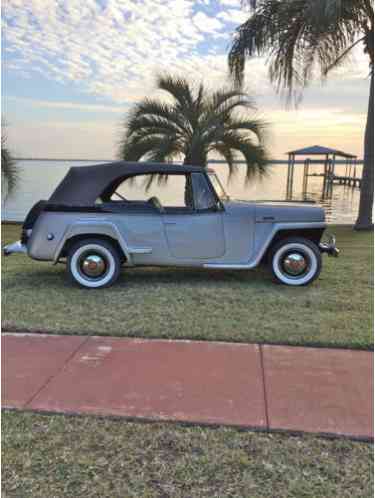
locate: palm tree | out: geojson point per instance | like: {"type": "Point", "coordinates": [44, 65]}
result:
{"type": "Point", "coordinates": [299, 35]}
{"type": "Point", "coordinates": [193, 124]}
{"type": "Point", "coordinates": [9, 171]}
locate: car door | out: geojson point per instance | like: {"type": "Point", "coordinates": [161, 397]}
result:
{"type": "Point", "coordinates": [196, 233]}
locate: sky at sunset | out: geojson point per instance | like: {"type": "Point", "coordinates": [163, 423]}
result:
{"type": "Point", "coordinates": [72, 68]}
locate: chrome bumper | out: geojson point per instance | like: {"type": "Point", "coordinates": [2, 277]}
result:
{"type": "Point", "coordinates": [16, 247]}
{"type": "Point", "coordinates": [329, 247]}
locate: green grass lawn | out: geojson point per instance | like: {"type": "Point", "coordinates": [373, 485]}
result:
{"type": "Point", "coordinates": [73, 457]}
{"type": "Point", "coordinates": [200, 304]}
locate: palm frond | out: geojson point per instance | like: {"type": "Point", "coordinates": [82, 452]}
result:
{"type": "Point", "coordinates": [216, 118]}
{"type": "Point", "coordinates": [196, 124]}
{"type": "Point", "coordinates": [146, 125]}
{"type": "Point", "coordinates": [227, 154]}
{"type": "Point", "coordinates": [220, 124]}
{"type": "Point", "coordinates": [148, 147]}
{"type": "Point", "coordinates": [177, 87]}
{"type": "Point", "coordinates": [341, 58]}
{"type": "Point", "coordinates": [9, 170]}
{"type": "Point", "coordinates": [199, 98]}
{"type": "Point", "coordinates": [167, 148]}
{"type": "Point", "coordinates": [256, 126]}
{"type": "Point", "coordinates": [151, 179]}
{"type": "Point", "coordinates": [225, 97]}
{"type": "Point", "coordinates": [254, 155]}
{"type": "Point", "coordinates": [160, 110]}
{"type": "Point", "coordinates": [184, 101]}
{"type": "Point", "coordinates": [299, 35]}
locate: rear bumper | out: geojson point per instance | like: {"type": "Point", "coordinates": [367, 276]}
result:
{"type": "Point", "coordinates": [329, 247]}
{"type": "Point", "coordinates": [16, 247]}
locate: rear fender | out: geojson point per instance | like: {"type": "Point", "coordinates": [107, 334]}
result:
{"type": "Point", "coordinates": [92, 229]}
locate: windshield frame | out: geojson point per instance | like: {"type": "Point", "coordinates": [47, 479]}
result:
{"type": "Point", "coordinates": [217, 186]}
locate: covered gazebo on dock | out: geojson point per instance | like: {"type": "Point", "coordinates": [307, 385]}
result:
{"type": "Point", "coordinates": [328, 158]}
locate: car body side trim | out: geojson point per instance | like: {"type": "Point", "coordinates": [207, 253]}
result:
{"type": "Point", "coordinates": [140, 250]}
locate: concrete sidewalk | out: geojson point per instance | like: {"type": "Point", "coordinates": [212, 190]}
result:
{"type": "Point", "coordinates": [325, 391]}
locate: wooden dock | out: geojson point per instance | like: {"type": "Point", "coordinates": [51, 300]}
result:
{"type": "Point", "coordinates": [351, 181]}
{"type": "Point", "coordinates": [327, 158]}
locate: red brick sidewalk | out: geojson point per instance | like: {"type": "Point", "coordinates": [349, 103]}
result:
{"type": "Point", "coordinates": [325, 391]}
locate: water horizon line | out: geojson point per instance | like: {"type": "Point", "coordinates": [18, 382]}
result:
{"type": "Point", "coordinates": [210, 161]}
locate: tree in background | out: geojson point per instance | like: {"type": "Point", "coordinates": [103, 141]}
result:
{"type": "Point", "coordinates": [9, 173]}
{"type": "Point", "coordinates": [191, 125]}
{"type": "Point", "coordinates": [299, 35]}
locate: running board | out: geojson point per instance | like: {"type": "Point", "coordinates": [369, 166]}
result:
{"type": "Point", "coordinates": [234, 266]}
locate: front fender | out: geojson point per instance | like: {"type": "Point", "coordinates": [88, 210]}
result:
{"type": "Point", "coordinates": [265, 234]}
{"type": "Point", "coordinates": [268, 234]}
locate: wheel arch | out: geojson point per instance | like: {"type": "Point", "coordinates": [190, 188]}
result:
{"type": "Point", "coordinates": [312, 234]}
{"type": "Point", "coordinates": [80, 231]}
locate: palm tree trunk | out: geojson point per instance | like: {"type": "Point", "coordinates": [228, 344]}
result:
{"type": "Point", "coordinates": [364, 221]}
{"type": "Point", "coordinates": [195, 160]}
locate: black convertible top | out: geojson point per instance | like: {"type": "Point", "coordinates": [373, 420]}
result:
{"type": "Point", "coordinates": [83, 185]}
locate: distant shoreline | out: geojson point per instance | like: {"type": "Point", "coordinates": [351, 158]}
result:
{"type": "Point", "coordinates": [213, 161]}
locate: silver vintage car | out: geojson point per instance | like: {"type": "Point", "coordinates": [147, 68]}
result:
{"type": "Point", "coordinates": [99, 219]}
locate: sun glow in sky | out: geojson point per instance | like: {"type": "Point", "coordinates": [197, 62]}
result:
{"type": "Point", "coordinates": [72, 68]}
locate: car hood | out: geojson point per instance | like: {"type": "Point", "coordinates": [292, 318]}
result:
{"type": "Point", "coordinates": [271, 212]}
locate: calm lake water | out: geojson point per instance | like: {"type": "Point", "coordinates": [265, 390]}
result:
{"type": "Point", "coordinates": [39, 178]}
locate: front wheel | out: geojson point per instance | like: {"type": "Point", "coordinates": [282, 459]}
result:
{"type": "Point", "coordinates": [93, 263]}
{"type": "Point", "coordinates": [296, 261]}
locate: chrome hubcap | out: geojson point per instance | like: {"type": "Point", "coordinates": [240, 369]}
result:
{"type": "Point", "coordinates": [295, 264]}
{"type": "Point", "coordinates": [93, 266]}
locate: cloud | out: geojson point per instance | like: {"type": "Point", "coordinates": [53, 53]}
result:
{"type": "Point", "coordinates": [230, 3]}
{"type": "Point", "coordinates": [110, 50]}
{"type": "Point", "coordinates": [207, 24]}
{"type": "Point", "coordinates": [235, 16]}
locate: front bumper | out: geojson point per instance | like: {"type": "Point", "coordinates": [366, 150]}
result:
{"type": "Point", "coordinates": [329, 247]}
{"type": "Point", "coordinates": [16, 247]}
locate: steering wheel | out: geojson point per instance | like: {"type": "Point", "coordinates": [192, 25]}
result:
{"type": "Point", "coordinates": [155, 202]}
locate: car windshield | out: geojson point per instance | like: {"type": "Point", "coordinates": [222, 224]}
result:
{"type": "Point", "coordinates": [219, 189]}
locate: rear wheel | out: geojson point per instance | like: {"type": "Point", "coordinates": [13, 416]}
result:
{"type": "Point", "coordinates": [295, 261]}
{"type": "Point", "coordinates": [93, 263]}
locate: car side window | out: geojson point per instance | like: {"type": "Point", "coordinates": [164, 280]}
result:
{"type": "Point", "coordinates": [204, 198]}
{"type": "Point", "coordinates": [171, 192]}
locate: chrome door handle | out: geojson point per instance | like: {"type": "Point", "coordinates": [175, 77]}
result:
{"type": "Point", "coordinates": [170, 223]}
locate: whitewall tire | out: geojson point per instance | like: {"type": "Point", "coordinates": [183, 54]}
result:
{"type": "Point", "coordinates": [93, 263]}
{"type": "Point", "coordinates": [296, 261]}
